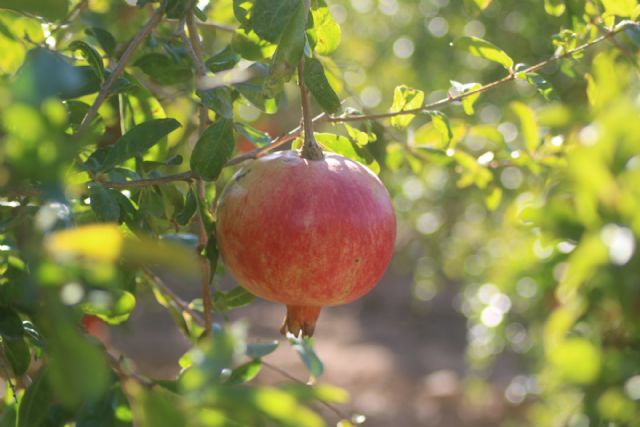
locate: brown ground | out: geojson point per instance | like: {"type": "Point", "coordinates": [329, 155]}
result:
{"type": "Point", "coordinates": [402, 364]}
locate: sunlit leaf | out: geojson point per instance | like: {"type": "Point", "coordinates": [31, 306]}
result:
{"type": "Point", "coordinates": [554, 7]}
{"type": "Point", "coordinates": [405, 98]}
{"type": "Point", "coordinates": [91, 55]}
{"type": "Point", "coordinates": [441, 123]}
{"type": "Point", "coordinates": [622, 8]}
{"type": "Point", "coordinates": [326, 32]}
{"type": "Point", "coordinates": [51, 10]}
{"type": "Point", "coordinates": [341, 145]}
{"type": "Point", "coordinates": [528, 125]}
{"type": "Point", "coordinates": [100, 242]}
{"type": "Point", "coordinates": [484, 49]}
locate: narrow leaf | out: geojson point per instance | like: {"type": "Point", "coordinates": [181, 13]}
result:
{"type": "Point", "coordinates": [304, 347]}
{"type": "Point", "coordinates": [316, 81]}
{"type": "Point", "coordinates": [213, 149]}
{"type": "Point", "coordinates": [484, 49]}
{"type": "Point", "coordinates": [17, 352]}
{"type": "Point", "coordinates": [254, 135]}
{"type": "Point", "coordinates": [528, 125]}
{"type": "Point", "coordinates": [92, 57]}
{"type": "Point", "coordinates": [245, 373]}
{"type": "Point", "coordinates": [261, 349]}
{"type": "Point", "coordinates": [441, 123]}
{"type": "Point", "coordinates": [535, 79]}
{"type": "Point", "coordinates": [104, 37]}
{"type": "Point", "coordinates": [138, 140]}
{"type": "Point", "coordinates": [468, 101]}
{"type": "Point", "coordinates": [405, 98]}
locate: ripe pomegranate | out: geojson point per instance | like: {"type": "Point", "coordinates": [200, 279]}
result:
{"type": "Point", "coordinates": [305, 233]}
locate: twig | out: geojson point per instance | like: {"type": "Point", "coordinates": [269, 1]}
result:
{"type": "Point", "coordinates": [119, 68]}
{"type": "Point", "coordinates": [114, 361]}
{"type": "Point", "coordinates": [182, 304]}
{"type": "Point", "coordinates": [211, 24]}
{"type": "Point", "coordinates": [194, 47]}
{"type": "Point", "coordinates": [481, 89]}
{"type": "Point", "coordinates": [146, 182]}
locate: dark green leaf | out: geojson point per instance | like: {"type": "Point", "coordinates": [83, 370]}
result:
{"type": "Point", "coordinates": [535, 79]}
{"type": "Point", "coordinates": [261, 349]}
{"type": "Point", "coordinates": [34, 403]}
{"type": "Point", "coordinates": [250, 46]}
{"type": "Point", "coordinates": [104, 203]}
{"type": "Point", "coordinates": [254, 135]}
{"type": "Point", "coordinates": [289, 51]}
{"type": "Point", "coordinates": [164, 70]}
{"type": "Point", "coordinates": [245, 373]}
{"type": "Point", "coordinates": [218, 100]}
{"type": "Point", "coordinates": [213, 149]}
{"type": "Point", "coordinates": [91, 55]}
{"type": "Point", "coordinates": [160, 408]}
{"type": "Point", "coordinates": [10, 324]}
{"type": "Point", "coordinates": [242, 11]}
{"type": "Point", "coordinates": [199, 14]}
{"type": "Point", "coordinates": [51, 10]}
{"type": "Point", "coordinates": [222, 60]}
{"type": "Point", "coordinates": [17, 352]}
{"type": "Point", "coordinates": [237, 297]}
{"type": "Point", "coordinates": [484, 49]}
{"type": "Point", "coordinates": [304, 347]}
{"type": "Point", "coordinates": [138, 140]}
{"type": "Point", "coordinates": [177, 9]}
{"type": "Point", "coordinates": [269, 17]}
{"type": "Point", "coordinates": [105, 39]}
{"type": "Point", "coordinates": [252, 90]}
{"type": "Point", "coordinates": [189, 209]}
{"type": "Point", "coordinates": [319, 86]}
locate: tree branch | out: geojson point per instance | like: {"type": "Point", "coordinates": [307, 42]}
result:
{"type": "Point", "coordinates": [119, 68]}
{"type": "Point", "coordinates": [210, 24]}
{"type": "Point", "coordinates": [194, 46]}
{"type": "Point", "coordinates": [141, 183]}
{"type": "Point", "coordinates": [487, 87]}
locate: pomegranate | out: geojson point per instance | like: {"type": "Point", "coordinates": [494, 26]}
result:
{"type": "Point", "coordinates": [305, 233]}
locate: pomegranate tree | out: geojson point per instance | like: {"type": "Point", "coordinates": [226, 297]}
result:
{"type": "Point", "coordinates": [307, 231]}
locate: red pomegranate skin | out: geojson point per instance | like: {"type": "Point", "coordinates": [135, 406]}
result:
{"type": "Point", "coordinates": [306, 233]}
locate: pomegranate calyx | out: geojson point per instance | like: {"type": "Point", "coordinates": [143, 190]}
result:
{"type": "Point", "coordinates": [300, 319]}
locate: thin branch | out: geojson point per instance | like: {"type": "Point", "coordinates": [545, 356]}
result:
{"type": "Point", "coordinates": [146, 182]}
{"type": "Point", "coordinates": [70, 16]}
{"type": "Point", "coordinates": [194, 47]}
{"type": "Point", "coordinates": [179, 302]}
{"type": "Point", "coordinates": [451, 99]}
{"type": "Point", "coordinates": [119, 68]}
{"type": "Point", "coordinates": [211, 24]}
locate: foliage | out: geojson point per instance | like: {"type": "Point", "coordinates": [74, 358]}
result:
{"type": "Point", "coordinates": [524, 191]}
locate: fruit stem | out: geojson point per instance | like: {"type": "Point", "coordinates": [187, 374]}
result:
{"type": "Point", "coordinates": [310, 149]}
{"type": "Point", "coordinates": [300, 318]}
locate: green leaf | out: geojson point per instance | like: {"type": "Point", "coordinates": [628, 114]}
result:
{"type": "Point", "coordinates": [289, 51]}
{"type": "Point", "coordinates": [91, 55]}
{"type": "Point", "coordinates": [622, 8]}
{"type": "Point", "coordinates": [51, 10]}
{"type": "Point", "coordinates": [35, 402]}
{"type": "Point", "coordinates": [261, 349]}
{"type": "Point", "coordinates": [254, 135]}
{"type": "Point", "coordinates": [116, 311]}
{"type": "Point", "coordinates": [164, 70]}
{"type": "Point", "coordinates": [17, 352]}
{"type": "Point", "coordinates": [160, 408]}
{"type": "Point", "coordinates": [213, 149]}
{"type": "Point", "coordinates": [190, 206]}
{"type": "Point", "coordinates": [104, 203]}
{"type": "Point", "coordinates": [138, 140]}
{"type": "Point", "coordinates": [104, 38]}
{"type": "Point", "coordinates": [326, 33]}
{"type": "Point", "coordinates": [219, 100]}
{"type": "Point", "coordinates": [477, 4]}
{"type": "Point", "coordinates": [10, 324]}
{"type": "Point", "coordinates": [468, 101]}
{"type": "Point", "coordinates": [245, 372]}
{"type": "Point", "coordinates": [405, 98]}
{"type": "Point", "coordinates": [237, 297]}
{"type": "Point", "coordinates": [252, 90]}
{"type": "Point", "coordinates": [341, 145]}
{"type": "Point", "coordinates": [554, 7]}
{"type": "Point", "coordinates": [357, 136]}
{"type": "Point", "coordinates": [319, 86]}
{"type": "Point", "coordinates": [222, 60]}
{"type": "Point", "coordinates": [484, 49]}
{"type": "Point", "coordinates": [441, 123]}
{"type": "Point", "coordinates": [269, 17]}
{"type": "Point", "coordinates": [250, 46]}
{"type": "Point", "coordinates": [535, 79]}
{"type": "Point", "coordinates": [528, 125]}
{"type": "Point", "coordinates": [304, 347]}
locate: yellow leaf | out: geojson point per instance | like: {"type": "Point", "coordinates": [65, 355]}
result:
{"type": "Point", "coordinates": [99, 242]}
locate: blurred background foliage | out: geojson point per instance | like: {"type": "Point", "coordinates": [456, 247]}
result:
{"type": "Point", "coordinates": [525, 198]}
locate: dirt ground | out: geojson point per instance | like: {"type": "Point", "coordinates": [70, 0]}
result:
{"type": "Point", "coordinates": [403, 364]}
